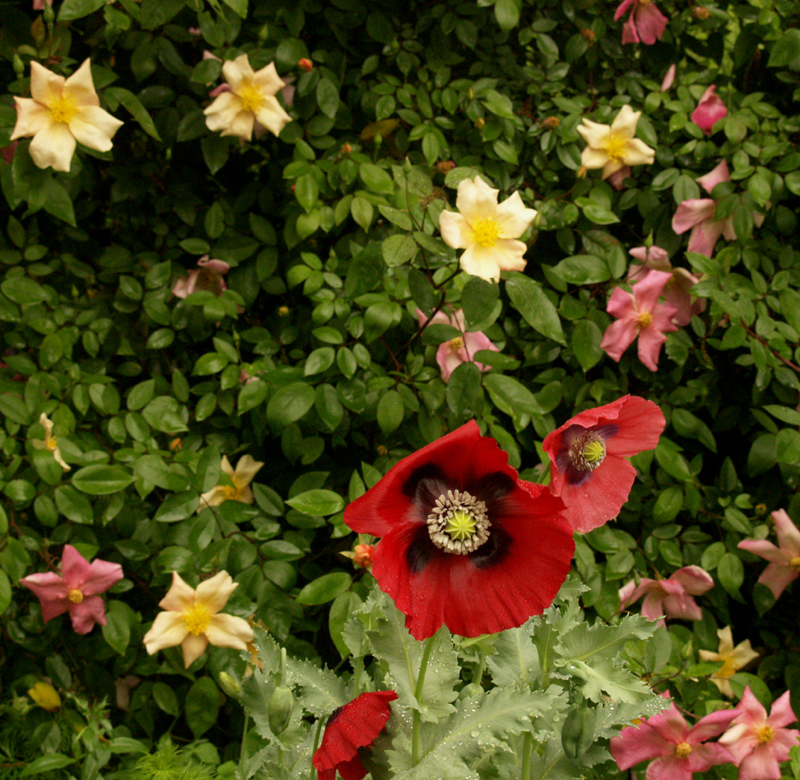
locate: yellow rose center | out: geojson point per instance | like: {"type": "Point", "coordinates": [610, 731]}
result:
{"type": "Point", "coordinates": [644, 320]}
{"type": "Point", "coordinates": [728, 668]}
{"type": "Point", "coordinates": [460, 525]}
{"type": "Point", "coordinates": [50, 443]}
{"type": "Point", "coordinates": [683, 749]}
{"type": "Point", "coordinates": [231, 492]}
{"type": "Point", "coordinates": [456, 344]}
{"type": "Point", "coordinates": [63, 108]}
{"type": "Point", "coordinates": [252, 97]}
{"type": "Point", "coordinates": [615, 146]}
{"type": "Point", "coordinates": [644, 2]}
{"type": "Point", "coordinates": [197, 619]}
{"type": "Point", "coordinates": [75, 596]}
{"type": "Point", "coordinates": [486, 231]}
{"type": "Point", "coordinates": [795, 562]}
{"type": "Point", "coordinates": [766, 734]}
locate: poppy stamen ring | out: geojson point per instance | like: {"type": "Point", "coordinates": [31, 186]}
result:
{"type": "Point", "coordinates": [588, 451]}
{"type": "Point", "coordinates": [458, 523]}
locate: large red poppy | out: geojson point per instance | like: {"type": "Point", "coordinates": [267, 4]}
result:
{"type": "Point", "coordinates": [464, 541]}
{"type": "Point", "coordinates": [587, 458]}
{"type": "Point", "coordinates": [353, 726]}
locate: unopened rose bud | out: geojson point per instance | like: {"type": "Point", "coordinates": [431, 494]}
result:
{"type": "Point", "coordinates": [480, 123]}
{"type": "Point", "coordinates": [19, 65]}
{"type": "Point", "coordinates": [551, 122]}
{"type": "Point", "coordinates": [305, 64]}
{"type": "Point", "coordinates": [346, 149]}
{"type": "Point", "coordinates": [362, 555]}
{"type": "Point", "coordinates": [700, 12]}
{"type": "Point", "coordinates": [589, 35]}
{"type": "Point", "coordinates": [383, 449]}
{"type": "Point", "coordinates": [175, 444]}
{"type": "Point", "coordinates": [445, 165]}
{"type": "Point", "coordinates": [283, 311]}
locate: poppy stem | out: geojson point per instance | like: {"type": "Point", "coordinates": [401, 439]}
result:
{"type": "Point", "coordinates": [527, 749]}
{"type": "Point", "coordinates": [415, 722]}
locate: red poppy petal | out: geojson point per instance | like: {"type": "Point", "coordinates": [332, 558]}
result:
{"type": "Point", "coordinates": [462, 456]}
{"type": "Point", "coordinates": [353, 769]}
{"type": "Point", "coordinates": [600, 497]}
{"type": "Point", "coordinates": [493, 588]}
{"type": "Point", "coordinates": [640, 424]}
{"type": "Point", "coordinates": [352, 726]}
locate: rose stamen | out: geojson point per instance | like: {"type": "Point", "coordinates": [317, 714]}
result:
{"type": "Point", "coordinates": [486, 231]}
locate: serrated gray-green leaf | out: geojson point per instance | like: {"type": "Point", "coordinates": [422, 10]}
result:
{"type": "Point", "coordinates": [553, 764]}
{"type": "Point", "coordinates": [603, 677]}
{"type": "Point", "coordinates": [583, 642]}
{"type": "Point", "coordinates": [481, 725]}
{"type": "Point", "coordinates": [391, 642]}
{"type": "Point", "coordinates": [515, 660]}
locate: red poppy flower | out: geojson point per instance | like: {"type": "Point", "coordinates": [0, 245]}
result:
{"type": "Point", "coordinates": [464, 541]}
{"type": "Point", "coordinates": [587, 458]}
{"type": "Point", "coordinates": [353, 726]}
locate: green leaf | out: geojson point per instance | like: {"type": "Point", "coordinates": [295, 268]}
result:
{"type": "Point", "coordinates": [239, 7]}
{"type": "Point", "coordinates": [77, 9]}
{"type": "Point", "coordinates": [515, 660]}
{"type": "Point", "coordinates": [510, 396]}
{"type": "Point", "coordinates": [251, 395]}
{"type": "Point", "coordinates": [399, 249]}
{"type": "Point", "coordinates": [137, 110]}
{"type": "Point", "coordinates": [670, 459]}
{"type": "Point", "coordinates": [463, 388]}
{"type": "Point", "coordinates": [583, 269]}
{"type": "Point", "coordinates": [101, 480]}
{"type": "Point", "coordinates": [730, 571]}
{"type": "Point", "coordinates": [48, 763]}
{"type": "Point", "coordinates": [390, 412]}
{"type": "Point", "coordinates": [59, 203]}
{"type": "Point", "coordinates": [202, 706]}
{"type": "Point", "coordinates": [319, 360]}
{"type": "Point", "coordinates": [507, 13]}
{"type": "Point", "coordinates": [788, 446]}
{"type": "Point", "coordinates": [178, 506]}
{"type": "Point", "coordinates": [5, 592]}
{"type": "Point", "coordinates": [319, 502]}
{"type": "Point", "coordinates": [686, 424]}
{"type": "Point", "coordinates": [529, 299]}
{"type": "Point", "coordinates": [478, 300]}
{"type": "Point", "coordinates": [786, 51]}
{"type": "Point", "coordinates": [289, 404]}
{"type": "Point", "coordinates": [376, 179]}
{"type": "Point", "coordinates": [22, 290]}
{"type": "Point", "coordinates": [600, 215]}
{"type": "Point", "coordinates": [586, 338]}
{"type": "Point", "coordinates": [327, 97]}
{"type": "Point", "coordinates": [152, 469]}
{"type": "Point", "coordinates": [325, 588]}
{"type": "Point", "coordinates": [117, 631]}
{"type": "Point", "coordinates": [73, 505]}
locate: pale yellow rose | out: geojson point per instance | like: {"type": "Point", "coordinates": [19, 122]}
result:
{"type": "Point", "coordinates": [246, 469]}
{"type": "Point", "coordinates": [250, 99]}
{"type": "Point", "coordinates": [59, 113]}
{"type": "Point", "coordinates": [486, 230]}
{"type": "Point", "coordinates": [614, 147]}
{"type": "Point", "coordinates": [192, 619]}
{"type": "Point", "coordinates": [734, 658]}
{"type": "Point", "coordinates": [49, 442]}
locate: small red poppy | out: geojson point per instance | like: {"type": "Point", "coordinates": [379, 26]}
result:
{"type": "Point", "coordinates": [353, 726]}
{"type": "Point", "coordinates": [464, 541]}
{"type": "Point", "coordinates": [587, 458]}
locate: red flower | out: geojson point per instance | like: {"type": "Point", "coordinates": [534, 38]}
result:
{"type": "Point", "coordinates": [588, 469]}
{"type": "Point", "coordinates": [465, 542]}
{"type": "Point", "coordinates": [353, 726]}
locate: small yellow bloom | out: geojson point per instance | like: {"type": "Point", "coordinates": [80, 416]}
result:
{"type": "Point", "coordinates": [246, 469]}
{"type": "Point", "coordinates": [250, 99]}
{"type": "Point", "coordinates": [733, 658]}
{"type": "Point", "coordinates": [613, 147]}
{"type": "Point", "coordinates": [46, 696]}
{"type": "Point", "coordinates": [192, 619]}
{"type": "Point", "coordinates": [487, 230]}
{"type": "Point", "coordinates": [61, 113]}
{"type": "Point", "coordinates": [49, 442]}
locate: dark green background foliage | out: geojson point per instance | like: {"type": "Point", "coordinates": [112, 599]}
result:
{"type": "Point", "coordinates": [331, 231]}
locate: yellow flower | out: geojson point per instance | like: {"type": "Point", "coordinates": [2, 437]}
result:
{"type": "Point", "coordinates": [249, 99]}
{"type": "Point", "coordinates": [612, 148]}
{"type": "Point", "coordinates": [46, 696]}
{"type": "Point", "coordinates": [49, 442]}
{"type": "Point", "coordinates": [61, 112]}
{"type": "Point", "coordinates": [734, 658]}
{"type": "Point", "coordinates": [486, 230]}
{"type": "Point", "coordinates": [246, 469]}
{"type": "Point", "coordinates": [192, 619]}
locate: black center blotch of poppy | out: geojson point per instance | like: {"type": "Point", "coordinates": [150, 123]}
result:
{"type": "Point", "coordinates": [492, 487]}
{"type": "Point", "coordinates": [421, 550]}
{"type": "Point", "coordinates": [428, 473]}
{"type": "Point", "coordinates": [494, 551]}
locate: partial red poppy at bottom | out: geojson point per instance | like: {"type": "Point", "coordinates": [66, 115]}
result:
{"type": "Point", "coordinates": [354, 725]}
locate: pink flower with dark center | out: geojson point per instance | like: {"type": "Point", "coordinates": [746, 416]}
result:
{"type": "Point", "coordinates": [784, 560]}
{"type": "Point", "coordinates": [207, 276]}
{"type": "Point", "coordinates": [759, 742]}
{"type": "Point", "coordinates": [588, 466]}
{"type": "Point", "coordinates": [709, 110]}
{"type": "Point", "coordinates": [678, 287]}
{"type": "Point", "coordinates": [646, 24]}
{"type": "Point", "coordinates": [699, 216]}
{"type": "Point", "coordinates": [679, 751]}
{"type": "Point", "coordinates": [75, 589]}
{"type": "Point", "coordinates": [639, 314]}
{"type": "Point", "coordinates": [461, 349]}
{"type": "Point", "coordinates": [671, 597]}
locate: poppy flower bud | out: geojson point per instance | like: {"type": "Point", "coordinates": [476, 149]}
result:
{"type": "Point", "coordinates": [230, 686]}
{"type": "Point", "coordinates": [468, 691]}
{"type": "Point", "coordinates": [281, 706]}
{"type": "Point", "coordinates": [305, 64]}
{"type": "Point", "coordinates": [577, 733]}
